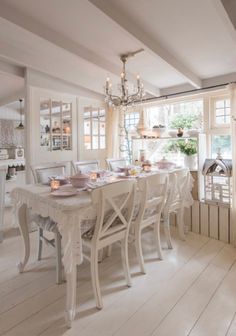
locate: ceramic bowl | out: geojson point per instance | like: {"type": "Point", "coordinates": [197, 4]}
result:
{"type": "Point", "coordinates": [158, 131]}
{"type": "Point", "coordinates": [172, 133]}
{"type": "Point", "coordinates": [79, 180]}
{"type": "Point", "coordinates": [193, 132]}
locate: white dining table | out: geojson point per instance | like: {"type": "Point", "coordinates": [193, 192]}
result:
{"type": "Point", "coordinates": [67, 213]}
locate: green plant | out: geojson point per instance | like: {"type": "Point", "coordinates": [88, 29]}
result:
{"type": "Point", "coordinates": [188, 147]}
{"type": "Point", "coordinates": [183, 120]}
{"type": "Point", "coordinates": [171, 146]}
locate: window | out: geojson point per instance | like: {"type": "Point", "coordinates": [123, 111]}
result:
{"type": "Point", "coordinates": [184, 114]}
{"type": "Point", "coordinates": [94, 128]}
{"type": "Point", "coordinates": [131, 121]}
{"type": "Point", "coordinates": [222, 112]}
{"type": "Point", "coordinates": [221, 143]}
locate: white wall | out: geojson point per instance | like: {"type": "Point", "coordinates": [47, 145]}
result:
{"type": "Point", "coordinates": [40, 86]}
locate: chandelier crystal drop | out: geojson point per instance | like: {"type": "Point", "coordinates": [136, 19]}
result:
{"type": "Point", "coordinates": [125, 98]}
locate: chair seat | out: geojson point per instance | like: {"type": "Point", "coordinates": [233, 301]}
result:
{"type": "Point", "coordinates": [45, 223]}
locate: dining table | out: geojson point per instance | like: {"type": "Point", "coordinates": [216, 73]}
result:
{"type": "Point", "coordinates": [68, 213]}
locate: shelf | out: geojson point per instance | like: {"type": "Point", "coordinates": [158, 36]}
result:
{"type": "Point", "coordinates": [166, 138]}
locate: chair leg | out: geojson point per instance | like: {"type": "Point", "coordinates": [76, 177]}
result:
{"type": "Point", "coordinates": [125, 260]}
{"type": "Point", "coordinates": [95, 278]}
{"type": "Point", "coordinates": [59, 268]}
{"type": "Point", "coordinates": [167, 232]}
{"type": "Point", "coordinates": [157, 237]}
{"type": "Point", "coordinates": [109, 250]}
{"type": "Point", "coordinates": [40, 243]}
{"type": "Point", "coordinates": [180, 223]}
{"type": "Point", "coordinates": [100, 255]}
{"type": "Point", "coordinates": [139, 252]}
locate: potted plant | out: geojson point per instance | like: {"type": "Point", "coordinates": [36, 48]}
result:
{"type": "Point", "coordinates": [189, 149]}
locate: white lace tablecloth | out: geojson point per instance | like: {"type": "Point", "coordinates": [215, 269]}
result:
{"type": "Point", "coordinates": [65, 211]}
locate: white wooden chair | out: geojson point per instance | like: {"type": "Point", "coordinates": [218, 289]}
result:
{"type": "Point", "coordinates": [3, 172]}
{"type": "Point", "coordinates": [41, 175]}
{"type": "Point", "coordinates": [178, 182]}
{"type": "Point", "coordinates": [85, 166]}
{"type": "Point", "coordinates": [113, 164]}
{"type": "Point", "coordinates": [114, 203]}
{"type": "Point", "coordinates": [152, 192]}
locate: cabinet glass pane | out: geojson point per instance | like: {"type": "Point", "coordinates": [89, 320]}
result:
{"type": "Point", "coordinates": [45, 123]}
{"type": "Point", "coordinates": [55, 125]}
{"type": "Point", "coordinates": [95, 142]}
{"type": "Point", "coordinates": [102, 142]}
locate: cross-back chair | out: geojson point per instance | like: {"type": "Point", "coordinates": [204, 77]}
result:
{"type": "Point", "coordinates": [41, 175]}
{"type": "Point", "coordinates": [114, 164]}
{"type": "Point", "coordinates": [179, 182]}
{"type": "Point", "coordinates": [114, 203]}
{"type": "Point", "coordinates": [152, 191]}
{"type": "Point", "coordinates": [85, 166]}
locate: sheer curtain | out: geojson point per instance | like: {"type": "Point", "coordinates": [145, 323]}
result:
{"type": "Point", "coordinates": [113, 139]}
{"type": "Point", "coordinates": [232, 91]}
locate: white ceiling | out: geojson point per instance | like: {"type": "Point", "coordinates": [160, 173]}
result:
{"type": "Point", "coordinates": [184, 41]}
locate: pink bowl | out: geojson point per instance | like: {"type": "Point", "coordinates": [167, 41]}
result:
{"type": "Point", "coordinates": [79, 180]}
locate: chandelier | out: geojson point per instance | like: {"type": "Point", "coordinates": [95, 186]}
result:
{"type": "Point", "coordinates": [125, 98]}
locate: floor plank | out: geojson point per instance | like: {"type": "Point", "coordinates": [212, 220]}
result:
{"type": "Point", "coordinates": [191, 292]}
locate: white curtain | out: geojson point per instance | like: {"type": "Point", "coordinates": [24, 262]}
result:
{"type": "Point", "coordinates": [113, 139]}
{"type": "Point", "coordinates": [232, 90]}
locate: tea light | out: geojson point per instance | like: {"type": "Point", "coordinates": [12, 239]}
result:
{"type": "Point", "coordinates": [93, 177]}
{"type": "Point", "coordinates": [54, 185]}
{"type": "Point", "coordinates": [147, 168]}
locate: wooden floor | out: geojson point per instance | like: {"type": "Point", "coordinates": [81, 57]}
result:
{"type": "Point", "coordinates": [191, 292]}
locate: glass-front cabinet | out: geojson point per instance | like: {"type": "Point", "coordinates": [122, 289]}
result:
{"type": "Point", "coordinates": [55, 125]}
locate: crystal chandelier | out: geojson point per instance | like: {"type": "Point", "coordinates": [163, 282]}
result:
{"type": "Point", "coordinates": [126, 98]}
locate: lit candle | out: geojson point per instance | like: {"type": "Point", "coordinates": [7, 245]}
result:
{"type": "Point", "coordinates": [147, 168]}
{"type": "Point", "coordinates": [138, 80]}
{"type": "Point", "coordinates": [107, 83]}
{"type": "Point", "coordinates": [93, 177]}
{"type": "Point", "coordinates": [54, 185]}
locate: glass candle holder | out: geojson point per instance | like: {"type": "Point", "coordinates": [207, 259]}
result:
{"type": "Point", "coordinates": [147, 168]}
{"type": "Point", "coordinates": [54, 184]}
{"type": "Point", "coordinates": [93, 177]}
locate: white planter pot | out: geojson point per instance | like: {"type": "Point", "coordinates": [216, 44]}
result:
{"type": "Point", "coordinates": [190, 161]}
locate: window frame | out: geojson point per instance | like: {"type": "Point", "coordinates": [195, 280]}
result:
{"type": "Point", "coordinates": [213, 101]}
{"type": "Point", "coordinates": [91, 134]}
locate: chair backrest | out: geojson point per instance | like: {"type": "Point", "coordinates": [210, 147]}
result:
{"type": "Point", "coordinates": [152, 192]}
{"type": "Point", "coordinates": [3, 172]}
{"type": "Point", "coordinates": [113, 164]}
{"type": "Point", "coordinates": [115, 204]}
{"type": "Point", "coordinates": [85, 166]}
{"type": "Point", "coordinates": [42, 173]}
{"type": "Point", "coordinates": [179, 180]}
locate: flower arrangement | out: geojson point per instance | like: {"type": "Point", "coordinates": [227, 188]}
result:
{"type": "Point", "coordinates": [188, 147]}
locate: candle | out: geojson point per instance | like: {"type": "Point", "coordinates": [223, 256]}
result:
{"type": "Point", "coordinates": [54, 185]}
{"type": "Point", "coordinates": [93, 177]}
{"type": "Point", "coordinates": [147, 168]}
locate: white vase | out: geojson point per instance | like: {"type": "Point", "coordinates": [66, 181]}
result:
{"type": "Point", "coordinates": [190, 161]}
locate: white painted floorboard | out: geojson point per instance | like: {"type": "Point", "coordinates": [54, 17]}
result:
{"type": "Point", "coordinates": [191, 292]}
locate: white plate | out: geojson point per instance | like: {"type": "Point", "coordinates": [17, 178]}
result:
{"type": "Point", "coordinates": [64, 193]}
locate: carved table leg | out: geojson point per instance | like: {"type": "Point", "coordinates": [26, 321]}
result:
{"type": "Point", "coordinates": [71, 295]}
{"type": "Point", "coordinates": [22, 216]}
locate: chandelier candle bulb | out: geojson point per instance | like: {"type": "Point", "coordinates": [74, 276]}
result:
{"type": "Point", "coordinates": [54, 184]}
